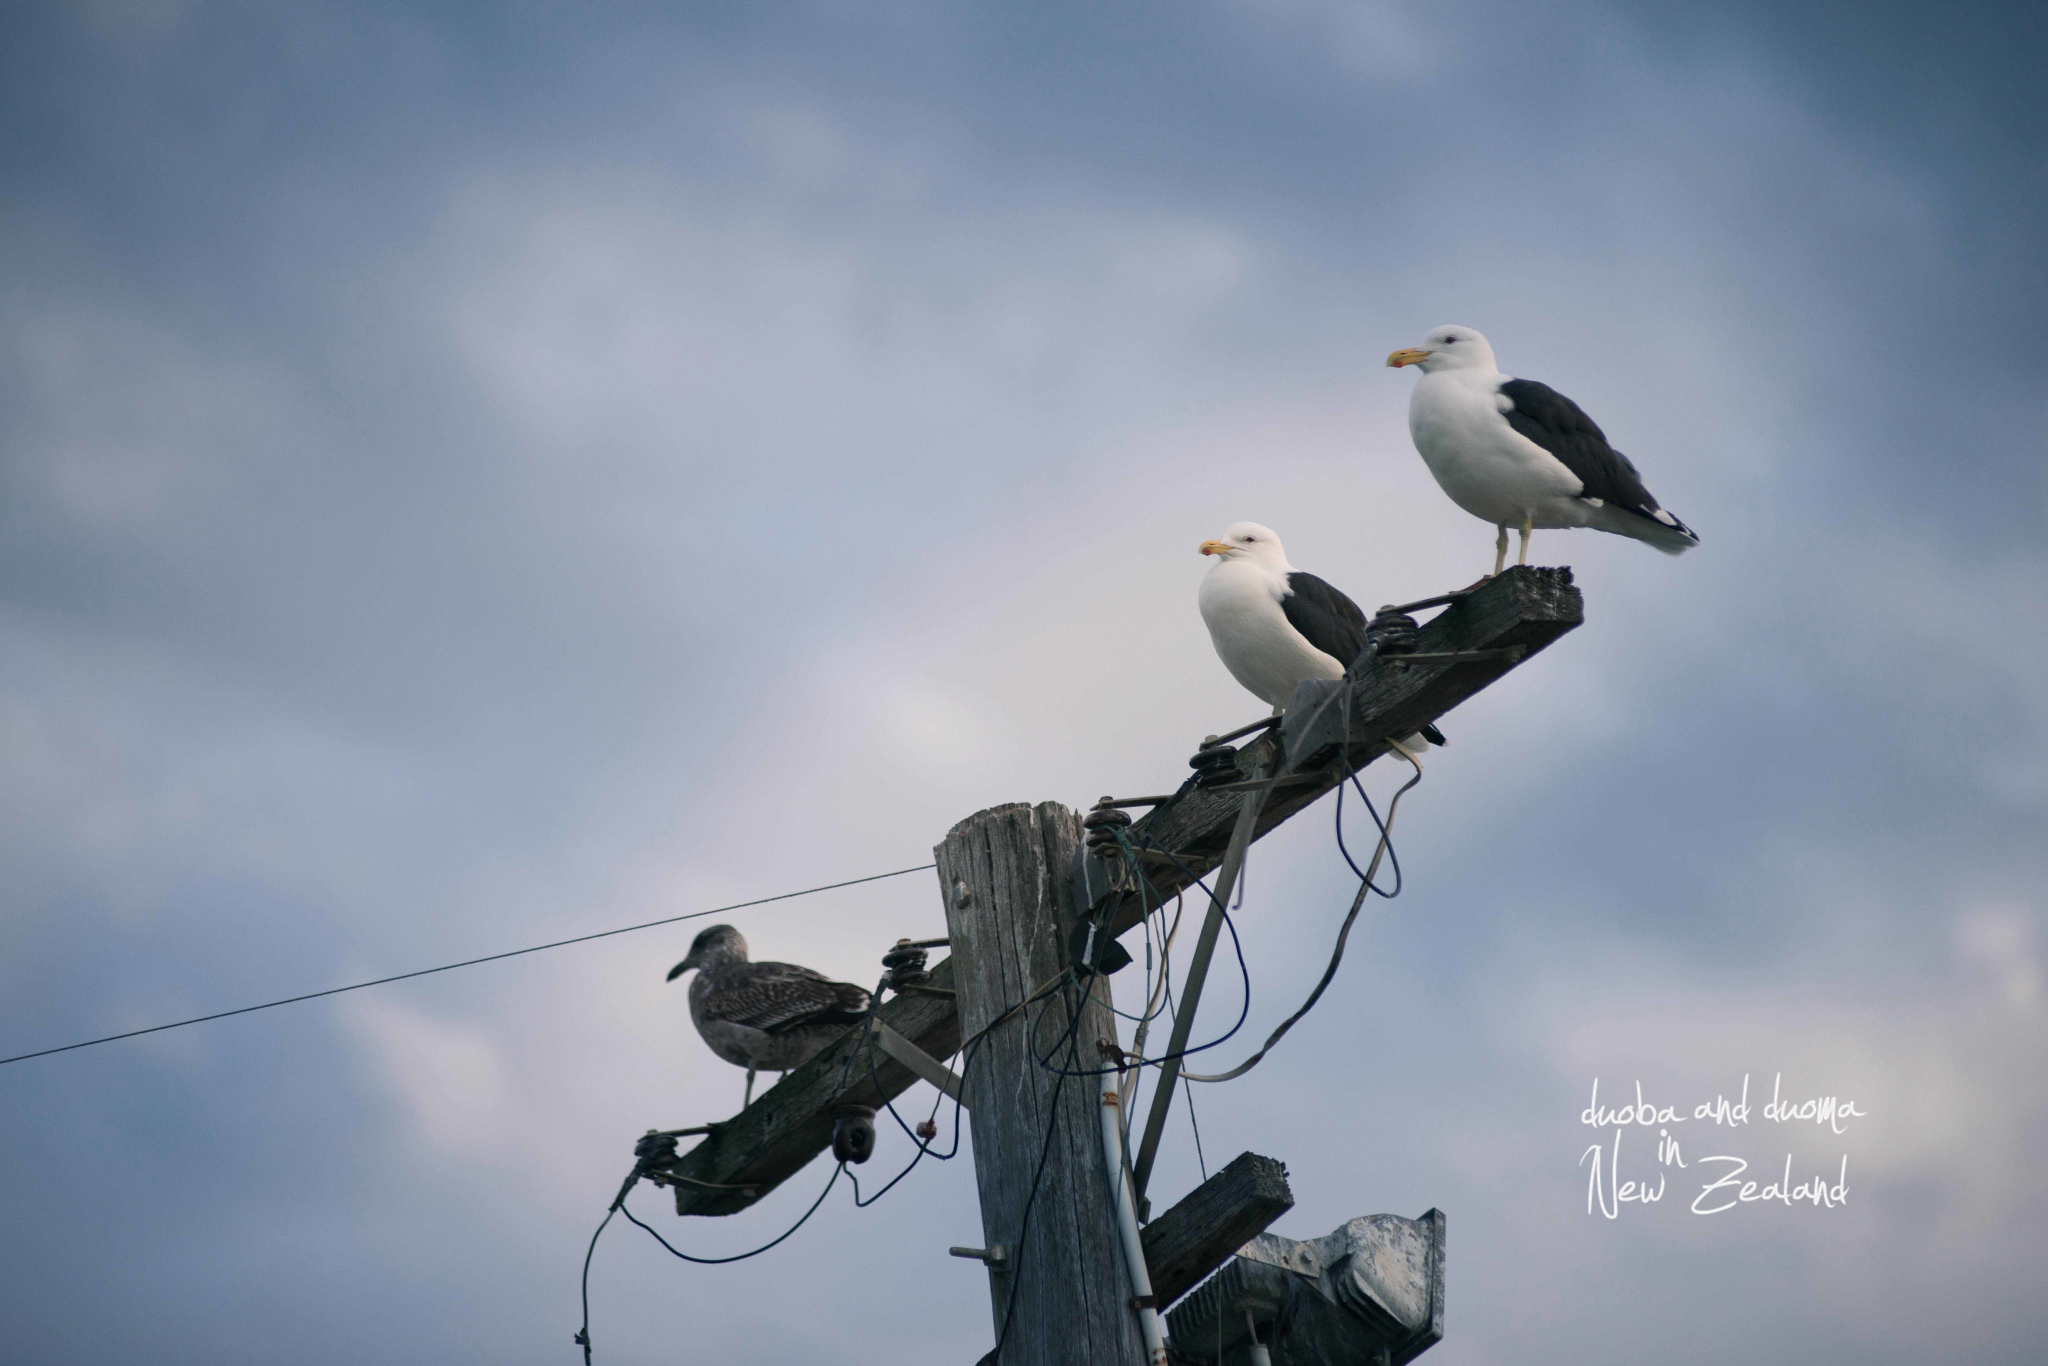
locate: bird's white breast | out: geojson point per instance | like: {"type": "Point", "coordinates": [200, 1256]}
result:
{"type": "Point", "coordinates": [1457, 418]}
{"type": "Point", "coordinates": [1240, 604]}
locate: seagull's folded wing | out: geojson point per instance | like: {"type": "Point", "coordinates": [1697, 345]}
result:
{"type": "Point", "coordinates": [773, 997]}
{"type": "Point", "coordinates": [1326, 618]}
{"type": "Point", "coordinates": [1562, 428]}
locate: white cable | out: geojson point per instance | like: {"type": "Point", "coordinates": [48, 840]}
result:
{"type": "Point", "coordinates": [1127, 1226]}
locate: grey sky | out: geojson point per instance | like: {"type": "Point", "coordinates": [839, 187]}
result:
{"type": "Point", "coordinates": [478, 479]}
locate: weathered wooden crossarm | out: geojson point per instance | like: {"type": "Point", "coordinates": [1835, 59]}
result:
{"type": "Point", "coordinates": [791, 1123]}
{"type": "Point", "coordinates": [1212, 1222]}
{"type": "Point", "coordinates": [1525, 606]}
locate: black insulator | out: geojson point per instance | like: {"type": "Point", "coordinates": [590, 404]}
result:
{"type": "Point", "coordinates": [905, 964]}
{"type": "Point", "coordinates": [655, 1150]}
{"type": "Point", "coordinates": [1214, 764]}
{"type": "Point", "coordinates": [1434, 736]}
{"type": "Point", "coordinates": [853, 1133]}
{"type": "Point", "coordinates": [1103, 824]}
{"type": "Point", "coordinates": [1393, 632]}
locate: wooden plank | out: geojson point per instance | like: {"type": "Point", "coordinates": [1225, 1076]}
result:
{"type": "Point", "coordinates": [791, 1122]}
{"type": "Point", "coordinates": [1524, 606]}
{"type": "Point", "coordinates": [1212, 1222]}
{"type": "Point", "coordinates": [1037, 1135]}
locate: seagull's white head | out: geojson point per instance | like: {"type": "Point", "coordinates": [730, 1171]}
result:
{"type": "Point", "coordinates": [1249, 541]}
{"type": "Point", "coordinates": [1449, 347]}
{"type": "Point", "coordinates": [719, 944]}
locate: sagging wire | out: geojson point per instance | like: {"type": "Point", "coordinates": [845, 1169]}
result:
{"type": "Point", "coordinates": [1352, 780]}
{"type": "Point", "coordinates": [465, 963]}
{"type": "Point", "coordinates": [1156, 1000]}
{"type": "Point", "coordinates": [1130, 1061]}
{"type": "Point", "coordinates": [1365, 886]}
{"type": "Point", "coordinates": [642, 1168]}
{"type": "Point", "coordinates": [650, 1159]}
{"type": "Point", "coordinates": [922, 1141]}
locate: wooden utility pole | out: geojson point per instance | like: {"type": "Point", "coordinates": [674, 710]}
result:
{"type": "Point", "coordinates": [1060, 1284]}
{"type": "Point", "coordinates": [1016, 880]}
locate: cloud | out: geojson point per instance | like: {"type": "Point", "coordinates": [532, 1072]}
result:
{"type": "Point", "coordinates": [491, 485]}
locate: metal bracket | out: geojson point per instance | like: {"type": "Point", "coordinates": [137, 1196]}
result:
{"type": "Point", "coordinates": [992, 1257]}
{"type": "Point", "coordinates": [1259, 785]}
{"type": "Point", "coordinates": [918, 1061]}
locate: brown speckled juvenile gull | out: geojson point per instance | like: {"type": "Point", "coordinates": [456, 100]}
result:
{"type": "Point", "coordinates": [763, 1016]}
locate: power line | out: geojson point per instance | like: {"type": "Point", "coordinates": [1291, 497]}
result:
{"type": "Point", "coordinates": [465, 963]}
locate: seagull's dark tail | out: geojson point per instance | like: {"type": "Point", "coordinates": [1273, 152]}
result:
{"type": "Point", "coordinates": [1656, 527]}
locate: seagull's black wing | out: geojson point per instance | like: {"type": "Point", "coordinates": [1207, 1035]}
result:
{"type": "Point", "coordinates": [1561, 427]}
{"type": "Point", "coordinates": [1325, 617]}
{"type": "Point", "coordinates": [774, 997]}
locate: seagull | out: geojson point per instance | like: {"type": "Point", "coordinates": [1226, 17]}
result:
{"type": "Point", "coordinates": [1520, 454]}
{"type": "Point", "coordinates": [1275, 626]}
{"type": "Point", "coordinates": [763, 1016]}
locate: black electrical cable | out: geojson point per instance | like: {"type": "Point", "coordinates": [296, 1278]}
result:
{"type": "Point", "coordinates": [583, 1333]}
{"type": "Point", "coordinates": [582, 1338]}
{"type": "Point", "coordinates": [1145, 918]}
{"type": "Point", "coordinates": [1244, 1009]}
{"type": "Point", "coordinates": [1392, 858]}
{"type": "Point", "coordinates": [966, 1061]}
{"type": "Point", "coordinates": [924, 1147]}
{"type": "Point", "coordinates": [1365, 885]}
{"type": "Point", "coordinates": [741, 1257]}
{"type": "Point", "coordinates": [465, 963]}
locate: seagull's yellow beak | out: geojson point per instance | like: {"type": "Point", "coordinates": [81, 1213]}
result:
{"type": "Point", "coordinates": [1217, 547]}
{"type": "Point", "coordinates": [1408, 355]}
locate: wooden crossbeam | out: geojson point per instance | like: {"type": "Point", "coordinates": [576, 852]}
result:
{"type": "Point", "coordinates": [791, 1123]}
{"type": "Point", "coordinates": [1524, 606]}
{"type": "Point", "coordinates": [1212, 1222]}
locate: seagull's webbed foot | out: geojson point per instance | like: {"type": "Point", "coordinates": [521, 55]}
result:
{"type": "Point", "coordinates": [749, 1100]}
{"type": "Point", "coordinates": [1528, 525]}
{"type": "Point", "coordinates": [1500, 552]}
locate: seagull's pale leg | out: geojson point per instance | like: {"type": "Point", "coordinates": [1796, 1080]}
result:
{"type": "Point", "coordinates": [750, 1089]}
{"type": "Point", "coordinates": [1500, 551]}
{"type": "Point", "coordinates": [1528, 525]}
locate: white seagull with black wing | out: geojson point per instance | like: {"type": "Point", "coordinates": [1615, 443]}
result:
{"type": "Point", "coordinates": [765, 1017]}
{"type": "Point", "coordinates": [1275, 626]}
{"type": "Point", "coordinates": [1519, 454]}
